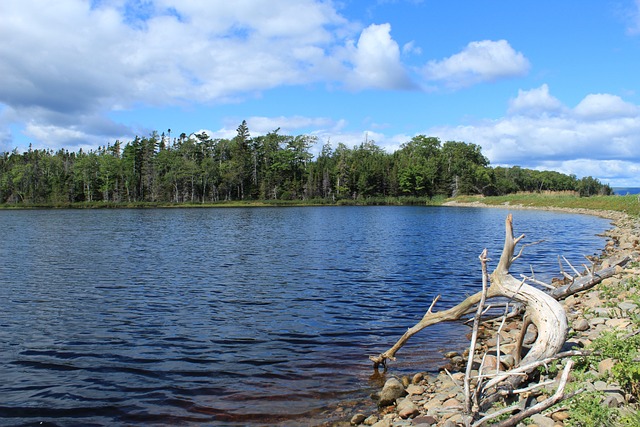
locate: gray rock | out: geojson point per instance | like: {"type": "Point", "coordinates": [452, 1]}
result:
{"type": "Point", "coordinates": [530, 337]}
{"type": "Point", "coordinates": [627, 306]}
{"type": "Point", "coordinates": [602, 311]}
{"type": "Point", "coordinates": [542, 421]}
{"type": "Point", "coordinates": [580, 325]}
{"type": "Point", "coordinates": [613, 400]}
{"type": "Point", "coordinates": [392, 390]}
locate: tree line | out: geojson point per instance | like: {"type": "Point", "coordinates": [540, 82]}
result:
{"type": "Point", "coordinates": [197, 168]}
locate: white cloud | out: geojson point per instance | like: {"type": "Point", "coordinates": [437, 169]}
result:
{"type": "Point", "coordinates": [288, 125]}
{"type": "Point", "coordinates": [534, 102]}
{"type": "Point", "coordinates": [411, 48]}
{"type": "Point", "coordinates": [480, 61]}
{"type": "Point", "coordinates": [68, 59]}
{"type": "Point", "coordinates": [547, 133]}
{"type": "Point", "coordinates": [605, 106]}
{"type": "Point", "coordinates": [122, 54]}
{"type": "Point", "coordinates": [376, 60]}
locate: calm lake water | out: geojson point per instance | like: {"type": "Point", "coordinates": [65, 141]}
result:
{"type": "Point", "coordinates": [237, 316]}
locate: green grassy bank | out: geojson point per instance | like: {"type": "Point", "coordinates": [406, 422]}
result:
{"type": "Point", "coordinates": [628, 204]}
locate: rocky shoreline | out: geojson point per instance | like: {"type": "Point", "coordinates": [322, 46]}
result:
{"type": "Point", "coordinates": [431, 400]}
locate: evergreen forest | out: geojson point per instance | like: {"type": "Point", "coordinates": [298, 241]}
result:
{"type": "Point", "coordinates": [199, 169]}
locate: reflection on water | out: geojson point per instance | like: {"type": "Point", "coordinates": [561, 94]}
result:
{"type": "Point", "coordinates": [236, 316]}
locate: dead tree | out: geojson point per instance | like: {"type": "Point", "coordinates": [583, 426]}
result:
{"type": "Point", "coordinates": [537, 307]}
{"type": "Point", "coordinates": [543, 310]}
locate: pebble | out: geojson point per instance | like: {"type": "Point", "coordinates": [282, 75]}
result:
{"type": "Point", "coordinates": [543, 421]}
{"type": "Point", "coordinates": [581, 325]}
{"type": "Point", "coordinates": [627, 306]}
{"type": "Point", "coordinates": [407, 409]}
{"type": "Point", "coordinates": [417, 378]}
{"type": "Point", "coordinates": [415, 389]}
{"type": "Point", "coordinates": [605, 366]}
{"type": "Point", "coordinates": [371, 420]}
{"type": "Point", "coordinates": [426, 420]}
{"type": "Point", "coordinates": [358, 419]}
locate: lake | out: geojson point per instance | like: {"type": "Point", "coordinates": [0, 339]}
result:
{"type": "Point", "coordinates": [238, 316]}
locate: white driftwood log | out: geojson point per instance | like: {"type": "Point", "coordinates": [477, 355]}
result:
{"type": "Point", "coordinates": [542, 309]}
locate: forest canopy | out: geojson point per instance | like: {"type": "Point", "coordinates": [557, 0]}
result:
{"type": "Point", "coordinates": [197, 168]}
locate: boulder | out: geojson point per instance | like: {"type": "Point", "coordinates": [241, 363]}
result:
{"type": "Point", "coordinates": [392, 390]}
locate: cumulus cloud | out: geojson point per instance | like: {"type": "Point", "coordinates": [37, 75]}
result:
{"type": "Point", "coordinates": [605, 106]}
{"type": "Point", "coordinates": [77, 58]}
{"type": "Point", "coordinates": [535, 102]}
{"type": "Point", "coordinates": [376, 61]}
{"type": "Point", "coordinates": [539, 131]}
{"type": "Point", "coordinates": [67, 65]}
{"type": "Point", "coordinates": [479, 61]}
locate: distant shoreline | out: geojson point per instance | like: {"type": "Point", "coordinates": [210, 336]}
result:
{"type": "Point", "coordinates": [609, 214]}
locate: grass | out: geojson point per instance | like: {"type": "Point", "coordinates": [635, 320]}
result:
{"type": "Point", "coordinates": [369, 201]}
{"type": "Point", "coordinates": [629, 204]}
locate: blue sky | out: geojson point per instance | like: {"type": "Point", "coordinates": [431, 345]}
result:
{"type": "Point", "coordinates": [539, 84]}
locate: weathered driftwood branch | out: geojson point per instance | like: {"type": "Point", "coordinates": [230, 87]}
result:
{"type": "Point", "coordinates": [585, 282]}
{"type": "Point", "coordinates": [474, 335]}
{"type": "Point", "coordinates": [535, 409]}
{"type": "Point", "coordinates": [431, 318]}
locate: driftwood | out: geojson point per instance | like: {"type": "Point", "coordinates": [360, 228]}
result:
{"type": "Point", "coordinates": [538, 307]}
{"type": "Point", "coordinates": [546, 313]}
{"type": "Point", "coordinates": [543, 310]}
{"type": "Point", "coordinates": [581, 282]}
